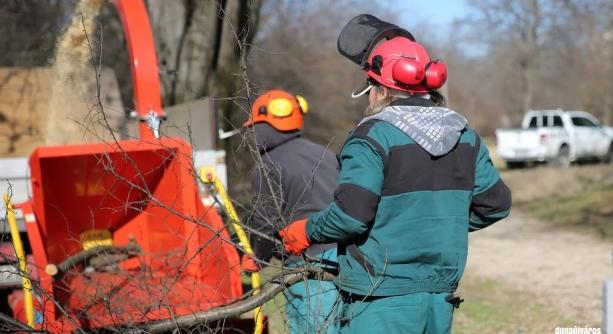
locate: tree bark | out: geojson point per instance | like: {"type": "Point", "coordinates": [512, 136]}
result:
{"type": "Point", "coordinates": [197, 44]}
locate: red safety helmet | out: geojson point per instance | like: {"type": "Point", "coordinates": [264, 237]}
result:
{"type": "Point", "coordinates": [402, 64]}
{"type": "Point", "coordinates": [282, 110]}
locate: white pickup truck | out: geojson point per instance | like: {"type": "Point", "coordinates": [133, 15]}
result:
{"type": "Point", "coordinates": [555, 136]}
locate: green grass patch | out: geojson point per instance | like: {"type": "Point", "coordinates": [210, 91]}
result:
{"type": "Point", "coordinates": [589, 210]}
{"type": "Point", "coordinates": [491, 307]}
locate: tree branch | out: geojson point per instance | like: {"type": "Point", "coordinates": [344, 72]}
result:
{"type": "Point", "coordinates": [284, 280]}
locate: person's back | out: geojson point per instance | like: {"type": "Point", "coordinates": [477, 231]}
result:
{"type": "Point", "coordinates": [309, 175]}
{"type": "Point", "coordinates": [294, 179]}
{"type": "Point", "coordinates": [427, 189]}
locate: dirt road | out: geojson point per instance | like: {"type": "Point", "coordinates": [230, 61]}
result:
{"type": "Point", "coordinates": [565, 268]}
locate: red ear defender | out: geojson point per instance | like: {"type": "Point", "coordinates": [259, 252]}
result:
{"type": "Point", "coordinates": [436, 74]}
{"type": "Point", "coordinates": [402, 64]}
{"type": "Point", "coordinates": [408, 71]}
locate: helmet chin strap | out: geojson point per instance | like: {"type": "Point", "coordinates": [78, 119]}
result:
{"type": "Point", "coordinates": [366, 89]}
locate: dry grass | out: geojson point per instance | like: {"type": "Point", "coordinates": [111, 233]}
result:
{"type": "Point", "coordinates": [580, 197]}
{"type": "Point", "coordinates": [545, 182]}
{"type": "Point", "coordinates": [492, 307]}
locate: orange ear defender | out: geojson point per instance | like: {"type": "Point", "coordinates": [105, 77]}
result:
{"type": "Point", "coordinates": [282, 110]}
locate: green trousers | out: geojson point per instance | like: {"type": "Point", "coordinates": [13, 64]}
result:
{"type": "Point", "coordinates": [415, 313]}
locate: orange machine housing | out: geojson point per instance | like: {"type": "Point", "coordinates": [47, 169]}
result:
{"type": "Point", "coordinates": [137, 190]}
{"type": "Point", "coordinates": [143, 191]}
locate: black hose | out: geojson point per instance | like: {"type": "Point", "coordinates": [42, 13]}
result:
{"type": "Point", "coordinates": [63, 267]}
{"type": "Point", "coordinates": [10, 325]}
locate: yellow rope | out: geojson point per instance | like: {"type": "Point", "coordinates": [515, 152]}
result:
{"type": "Point", "coordinates": [208, 176]}
{"type": "Point", "coordinates": [21, 257]}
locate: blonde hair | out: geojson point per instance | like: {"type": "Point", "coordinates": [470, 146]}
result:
{"type": "Point", "coordinates": [391, 95]}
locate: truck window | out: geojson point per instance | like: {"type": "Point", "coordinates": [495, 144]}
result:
{"type": "Point", "coordinates": [557, 121]}
{"type": "Point", "coordinates": [546, 120]}
{"type": "Point", "coordinates": [532, 122]}
{"type": "Point", "coordinates": [582, 121]}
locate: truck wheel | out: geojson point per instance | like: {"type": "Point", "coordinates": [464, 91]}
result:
{"type": "Point", "coordinates": [515, 164]}
{"type": "Point", "coordinates": [562, 160]}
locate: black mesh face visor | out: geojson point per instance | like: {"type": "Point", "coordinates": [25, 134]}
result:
{"type": "Point", "coordinates": [360, 35]}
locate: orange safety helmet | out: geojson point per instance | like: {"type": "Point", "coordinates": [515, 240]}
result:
{"type": "Point", "coordinates": [282, 110]}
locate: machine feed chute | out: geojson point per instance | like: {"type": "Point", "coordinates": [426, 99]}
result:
{"type": "Point", "coordinates": [135, 194]}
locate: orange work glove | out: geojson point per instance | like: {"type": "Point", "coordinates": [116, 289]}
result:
{"type": "Point", "coordinates": [249, 264]}
{"type": "Point", "coordinates": [295, 238]}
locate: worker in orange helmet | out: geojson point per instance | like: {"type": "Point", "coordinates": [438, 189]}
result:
{"type": "Point", "coordinates": [292, 179]}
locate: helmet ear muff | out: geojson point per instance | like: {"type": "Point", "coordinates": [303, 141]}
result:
{"type": "Point", "coordinates": [280, 107]}
{"type": "Point", "coordinates": [408, 71]}
{"type": "Point", "coordinates": [436, 74]}
{"type": "Point", "coordinates": [303, 104]}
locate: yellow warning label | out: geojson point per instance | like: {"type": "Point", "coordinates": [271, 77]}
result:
{"type": "Point", "coordinates": [95, 238]}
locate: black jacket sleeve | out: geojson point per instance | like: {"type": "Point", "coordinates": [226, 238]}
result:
{"type": "Point", "coordinates": [491, 199]}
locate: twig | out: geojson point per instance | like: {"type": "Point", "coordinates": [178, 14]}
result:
{"type": "Point", "coordinates": [286, 279]}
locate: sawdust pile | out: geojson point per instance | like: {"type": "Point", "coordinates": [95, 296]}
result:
{"type": "Point", "coordinates": [75, 116]}
{"type": "Point", "coordinates": [24, 106]}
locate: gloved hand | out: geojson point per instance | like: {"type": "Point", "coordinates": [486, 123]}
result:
{"type": "Point", "coordinates": [295, 237]}
{"type": "Point", "coordinates": [249, 264]}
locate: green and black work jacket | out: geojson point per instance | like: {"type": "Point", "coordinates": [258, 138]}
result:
{"type": "Point", "coordinates": [401, 215]}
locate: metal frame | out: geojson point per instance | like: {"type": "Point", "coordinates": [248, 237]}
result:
{"type": "Point", "coordinates": [144, 66]}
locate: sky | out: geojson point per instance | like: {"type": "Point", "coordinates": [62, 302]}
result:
{"type": "Point", "coordinates": [441, 12]}
{"type": "Point", "coordinates": [438, 14]}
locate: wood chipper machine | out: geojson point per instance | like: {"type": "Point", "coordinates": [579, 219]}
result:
{"type": "Point", "coordinates": [118, 232]}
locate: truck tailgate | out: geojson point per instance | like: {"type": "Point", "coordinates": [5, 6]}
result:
{"type": "Point", "coordinates": [518, 143]}
{"type": "Point", "coordinates": [517, 138]}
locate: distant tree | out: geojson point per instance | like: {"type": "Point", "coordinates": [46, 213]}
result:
{"type": "Point", "coordinates": [197, 46]}
{"type": "Point", "coordinates": [533, 54]}
{"type": "Point", "coordinates": [513, 32]}
{"type": "Point", "coordinates": [580, 52]}
{"type": "Point", "coordinates": [295, 50]}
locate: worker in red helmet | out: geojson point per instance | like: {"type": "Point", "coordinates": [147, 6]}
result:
{"type": "Point", "coordinates": [292, 179]}
{"type": "Point", "coordinates": [414, 180]}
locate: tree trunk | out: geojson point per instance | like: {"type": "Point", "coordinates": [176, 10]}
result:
{"type": "Point", "coordinates": [197, 44]}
